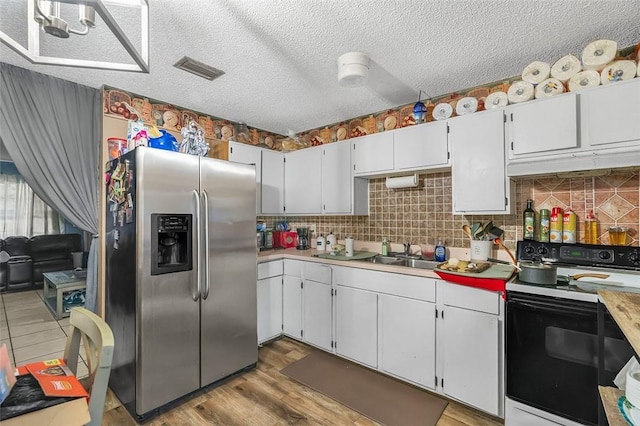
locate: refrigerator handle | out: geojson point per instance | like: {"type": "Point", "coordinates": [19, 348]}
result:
{"type": "Point", "coordinates": [205, 202]}
{"type": "Point", "coordinates": [195, 295]}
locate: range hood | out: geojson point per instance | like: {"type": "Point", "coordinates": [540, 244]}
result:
{"type": "Point", "coordinates": [582, 164]}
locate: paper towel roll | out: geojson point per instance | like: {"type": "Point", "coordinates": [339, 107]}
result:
{"type": "Point", "coordinates": [536, 72]}
{"type": "Point", "coordinates": [520, 91]}
{"type": "Point", "coordinates": [496, 100]}
{"type": "Point", "coordinates": [402, 182]}
{"type": "Point", "coordinates": [348, 247]}
{"type": "Point", "coordinates": [565, 68]}
{"type": "Point", "coordinates": [584, 79]}
{"type": "Point", "coordinates": [549, 87]}
{"type": "Point", "coordinates": [632, 391]}
{"type": "Point", "coordinates": [596, 55]}
{"type": "Point", "coordinates": [618, 71]}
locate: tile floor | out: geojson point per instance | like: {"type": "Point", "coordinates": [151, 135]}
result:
{"type": "Point", "coordinates": [30, 331]}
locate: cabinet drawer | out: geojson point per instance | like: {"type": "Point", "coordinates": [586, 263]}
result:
{"type": "Point", "coordinates": [469, 298]}
{"type": "Point", "coordinates": [317, 272]}
{"type": "Point", "coordinates": [270, 269]}
{"type": "Point", "coordinates": [420, 288]}
{"type": "Point", "coordinates": [293, 268]}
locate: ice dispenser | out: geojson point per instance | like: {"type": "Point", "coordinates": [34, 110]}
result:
{"type": "Point", "coordinates": [171, 236]}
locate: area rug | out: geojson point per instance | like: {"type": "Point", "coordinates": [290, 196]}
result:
{"type": "Point", "coordinates": [381, 398]}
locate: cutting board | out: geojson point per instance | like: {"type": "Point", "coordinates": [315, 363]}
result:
{"type": "Point", "coordinates": [358, 255]}
{"type": "Point", "coordinates": [494, 272]}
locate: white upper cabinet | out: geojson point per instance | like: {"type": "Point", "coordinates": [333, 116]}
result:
{"type": "Point", "coordinates": [248, 154]}
{"type": "Point", "coordinates": [303, 181]}
{"type": "Point", "coordinates": [337, 185]}
{"type": "Point", "coordinates": [272, 182]}
{"type": "Point", "coordinates": [610, 115]}
{"type": "Point", "coordinates": [373, 153]}
{"type": "Point", "coordinates": [479, 182]}
{"type": "Point", "coordinates": [424, 145]}
{"type": "Point", "coordinates": [543, 126]}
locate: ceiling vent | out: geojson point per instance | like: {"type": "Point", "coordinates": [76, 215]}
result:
{"type": "Point", "coordinates": [198, 68]}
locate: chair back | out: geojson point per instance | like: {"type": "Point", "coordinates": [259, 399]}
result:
{"type": "Point", "coordinates": [96, 336]}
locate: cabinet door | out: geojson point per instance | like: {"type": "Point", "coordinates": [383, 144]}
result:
{"type": "Point", "coordinates": [544, 125]}
{"type": "Point", "coordinates": [272, 182]}
{"type": "Point", "coordinates": [302, 181]}
{"type": "Point", "coordinates": [471, 358]}
{"type": "Point", "coordinates": [317, 314]}
{"type": "Point", "coordinates": [247, 154]}
{"type": "Point", "coordinates": [408, 338]}
{"type": "Point", "coordinates": [611, 114]}
{"type": "Point", "coordinates": [269, 308]}
{"type": "Point", "coordinates": [421, 146]}
{"type": "Point", "coordinates": [357, 325]}
{"type": "Point", "coordinates": [479, 183]}
{"type": "Point", "coordinates": [337, 183]}
{"type": "Point", "coordinates": [292, 306]}
{"type": "Point", "coordinates": [373, 153]}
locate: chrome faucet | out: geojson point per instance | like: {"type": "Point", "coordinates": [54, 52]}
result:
{"type": "Point", "coordinates": [407, 248]}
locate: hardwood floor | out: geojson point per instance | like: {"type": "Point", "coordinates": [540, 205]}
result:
{"type": "Point", "coordinates": [264, 396]}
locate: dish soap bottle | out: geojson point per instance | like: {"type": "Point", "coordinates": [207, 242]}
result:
{"type": "Point", "coordinates": [529, 220]}
{"type": "Point", "coordinates": [591, 229]}
{"type": "Point", "coordinates": [441, 251]}
{"type": "Point", "coordinates": [385, 247]}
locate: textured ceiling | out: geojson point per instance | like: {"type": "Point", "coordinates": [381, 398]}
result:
{"type": "Point", "coordinates": [280, 56]}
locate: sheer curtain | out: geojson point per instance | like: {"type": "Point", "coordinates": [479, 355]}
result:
{"type": "Point", "coordinates": [51, 129]}
{"type": "Point", "coordinates": [23, 212]}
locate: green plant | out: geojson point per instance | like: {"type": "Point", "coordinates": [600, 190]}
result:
{"type": "Point", "coordinates": [486, 232]}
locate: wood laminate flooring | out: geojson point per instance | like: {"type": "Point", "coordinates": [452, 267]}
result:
{"type": "Point", "coordinates": [264, 396]}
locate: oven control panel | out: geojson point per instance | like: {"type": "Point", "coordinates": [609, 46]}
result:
{"type": "Point", "coordinates": [622, 257]}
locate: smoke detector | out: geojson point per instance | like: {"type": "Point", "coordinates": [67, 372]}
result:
{"type": "Point", "coordinates": [353, 69]}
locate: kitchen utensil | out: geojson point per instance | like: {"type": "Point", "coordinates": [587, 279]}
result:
{"type": "Point", "coordinates": [499, 242]}
{"type": "Point", "coordinates": [567, 279]}
{"type": "Point", "coordinates": [538, 273]}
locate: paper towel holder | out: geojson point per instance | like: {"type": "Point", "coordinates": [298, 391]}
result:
{"type": "Point", "coordinates": [398, 182]}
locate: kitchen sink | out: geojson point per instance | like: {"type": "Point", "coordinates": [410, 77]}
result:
{"type": "Point", "coordinates": [401, 260]}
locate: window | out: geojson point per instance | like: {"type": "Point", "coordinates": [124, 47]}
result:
{"type": "Point", "coordinates": [22, 213]}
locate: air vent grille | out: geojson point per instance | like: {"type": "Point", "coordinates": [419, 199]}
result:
{"type": "Point", "coordinates": [198, 68]}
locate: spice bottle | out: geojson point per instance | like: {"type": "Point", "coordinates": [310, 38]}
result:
{"type": "Point", "coordinates": [543, 226]}
{"type": "Point", "coordinates": [528, 221]}
{"type": "Point", "coordinates": [555, 225]}
{"type": "Point", "coordinates": [569, 227]}
{"type": "Point", "coordinates": [591, 229]}
{"type": "Point", "coordinates": [385, 247]}
{"type": "Point", "coordinates": [441, 251]}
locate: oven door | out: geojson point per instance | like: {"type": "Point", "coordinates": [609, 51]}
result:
{"type": "Point", "coordinates": [552, 355]}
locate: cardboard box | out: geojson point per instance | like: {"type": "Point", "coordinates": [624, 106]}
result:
{"type": "Point", "coordinates": [70, 413]}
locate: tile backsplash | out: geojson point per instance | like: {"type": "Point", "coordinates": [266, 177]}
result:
{"type": "Point", "coordinates": [423, 214]}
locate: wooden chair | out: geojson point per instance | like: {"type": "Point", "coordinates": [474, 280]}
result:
{"type": "Point", "coordinates": [96, 336]}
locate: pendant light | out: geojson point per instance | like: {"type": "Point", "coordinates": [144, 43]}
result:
{"type": "Point", "coordinates": [420, 109]}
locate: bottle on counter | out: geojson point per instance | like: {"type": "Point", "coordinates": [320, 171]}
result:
{"type": "Point", "coordinates": [441, 251]}
{"type": "Point", "coordinates": [555, 225]}
{"type": "Point", "coordinates": [528, 221]}
{"type": "Point", "coordinates": [385, 247]}
{"type": "Point", "coordinates": [569, 226]}
{"type": "Point", "coordinates": [331, 241]}
{"type": "Point", "coordinates": [543, 226]}
{"type": "Point", "coordinates": [321, 243]}
{"type": "Point", "coordinates": [591, 229]}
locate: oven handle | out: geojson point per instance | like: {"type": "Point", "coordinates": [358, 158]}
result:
{"type": "Point", "coordinates": [554, 308]}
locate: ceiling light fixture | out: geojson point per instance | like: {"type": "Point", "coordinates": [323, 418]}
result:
{"type": "Point", "coordinates": [353, 69]}
{"type": "Point", "coordinates": [198, 68]}
{"type": "Point", "coordinates": [46, 15]}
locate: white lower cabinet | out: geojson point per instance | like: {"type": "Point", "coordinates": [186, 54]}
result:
{"type": "Point", "coordinates": [470, 341]}
{"type": "Point", "coordinates": [292, 306]}
{"type": "Point", "coordinates": [407, 339]}
{"type": "Point", "coordinates": [357, 325]}
{"type": "Point", "coordinates": [269, 296]}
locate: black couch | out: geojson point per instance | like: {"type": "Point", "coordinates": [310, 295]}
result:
{"type": "Point", "coordinates": [29, 258]}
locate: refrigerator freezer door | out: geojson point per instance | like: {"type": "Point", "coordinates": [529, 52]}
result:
{"type": "Point", "coordinates": [228, 312]}
{"type": "Point", "coordinates": [168, 318]}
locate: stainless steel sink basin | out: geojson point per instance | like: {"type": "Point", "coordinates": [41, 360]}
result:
{"type": "Point", "coordinates": [387, 260]}
{"type": "Point", "coordinates": [419, 263]}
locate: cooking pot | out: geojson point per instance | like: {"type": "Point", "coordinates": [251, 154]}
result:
{"type": "Point", "coordinates": [538, 273]}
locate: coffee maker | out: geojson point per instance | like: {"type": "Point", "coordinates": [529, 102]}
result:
{"type": "Point", "coordinates": [303, 238]}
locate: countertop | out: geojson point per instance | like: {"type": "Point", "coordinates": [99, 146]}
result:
{"type": "Point", "coordinates": [625, 310]}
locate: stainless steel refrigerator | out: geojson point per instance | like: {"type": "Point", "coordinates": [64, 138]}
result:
{"type": "Point", "coordinates": [180, 274]}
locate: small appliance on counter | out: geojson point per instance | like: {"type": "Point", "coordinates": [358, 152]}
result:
{"type": "Point", "coordinates": [303, 238]}
{"type": "Point", "coordinates": [284, 239]}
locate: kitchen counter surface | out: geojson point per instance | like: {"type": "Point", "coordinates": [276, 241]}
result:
{"type": "Point", "coordinates": [308, 256]}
